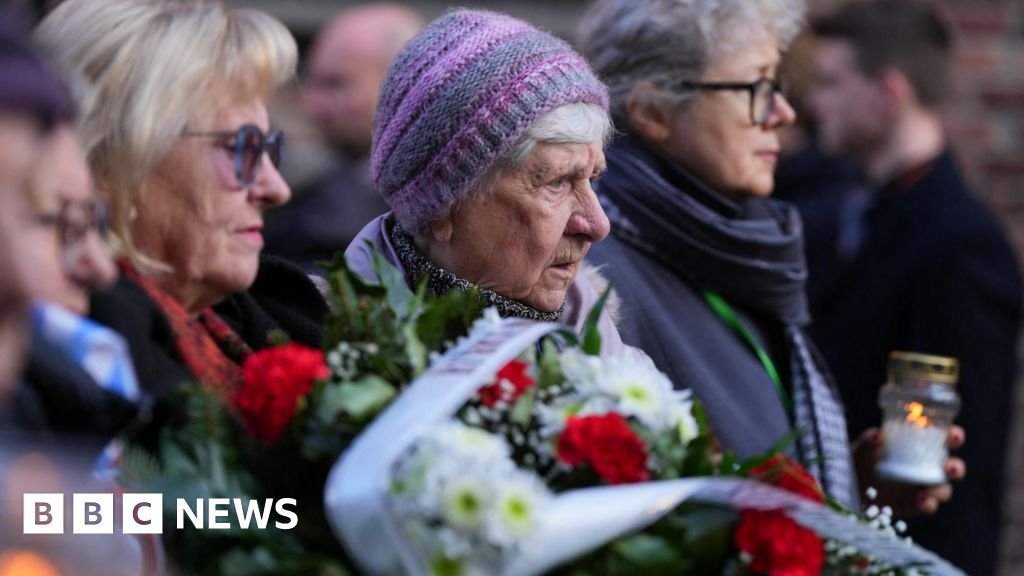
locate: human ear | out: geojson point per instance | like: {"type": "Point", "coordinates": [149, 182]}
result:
{"type": "Point", "coordinates": [647, 117]}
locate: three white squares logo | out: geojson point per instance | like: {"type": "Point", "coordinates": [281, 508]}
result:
{"type": "Point", "coordinates": [92, 513]}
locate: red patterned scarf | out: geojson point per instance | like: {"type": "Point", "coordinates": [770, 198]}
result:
{"type": "Point", "coordinates": [210, 349]}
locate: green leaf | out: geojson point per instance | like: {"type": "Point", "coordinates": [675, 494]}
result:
{"type": "Point", "coordinates": [591, 333]}
{"type": "Point", "coordinates": [549, 370]}
{"type": "Point", "coordinates": [415, 350]}
{"type": "Point", "coordinates": [522, 411]}
{"type": "Point", "coordinates": [397, 292]}
{"type": "Point", "coordinates": [650, 555]}
{"type": "Point", "coordinates": [361, 400]}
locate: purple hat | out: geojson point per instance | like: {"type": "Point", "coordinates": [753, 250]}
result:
{"type": "Point", "coordinates": [458, 97]}
{"type": "Point", "coordinates": [27, 83]}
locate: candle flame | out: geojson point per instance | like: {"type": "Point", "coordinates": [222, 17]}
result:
{"type": "Point", "coordinates": [915, 415]}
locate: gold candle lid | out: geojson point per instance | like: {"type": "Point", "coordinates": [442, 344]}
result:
{"type": "Point", "coordinates": [912, 365]}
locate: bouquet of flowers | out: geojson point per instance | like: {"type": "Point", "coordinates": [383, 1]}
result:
{"type": "Point", "coordinates": [434, 437]}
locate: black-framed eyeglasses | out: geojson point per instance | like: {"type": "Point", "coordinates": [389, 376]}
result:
{"type": "Point", "coordinates": [73, 220]}
{"type": "Point", "coordinates": [248, 144]}
{"type": "Point", "coordinates": [762, 94]}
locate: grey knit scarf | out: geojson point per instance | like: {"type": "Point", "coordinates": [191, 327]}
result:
{"type": "Point", "coordinates": [441, 281]}
{"type": "Point", "coordinates": [752, 255]}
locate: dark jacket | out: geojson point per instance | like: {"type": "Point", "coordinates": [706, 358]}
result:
{"type": "Point", "coordinates": [666, 317]}
{"type": "Point", "coordinates": [57, 397]}
{"type": "Point", "coordinates": [282, 298]}
{"type": "Point", "coordinates": [664, 313]}
{"type": "Point", "coordinates": [935, 275]}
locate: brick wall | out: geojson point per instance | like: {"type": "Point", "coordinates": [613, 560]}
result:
{"type": "Point", "coordinates": [986, 123]}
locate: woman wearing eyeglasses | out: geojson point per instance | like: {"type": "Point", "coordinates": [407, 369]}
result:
{"type": "Point", "coordinates": [710, 270]}
{"type": "Point", "coordinates": [175, 128]}
{"type": "Point", "coordinates": [79, 380]}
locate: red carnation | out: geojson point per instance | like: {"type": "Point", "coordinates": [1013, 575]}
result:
{"type": "Point", "coordinates": [273, 381]}
{"type": "Point", "coordinates": [509, 384]}
{"type": "Point", "coordinates": [777, 545]}
{"type": "Point", "coordinates": [607, 444]}
{"type": "Point", "coordinates": [788, 475]}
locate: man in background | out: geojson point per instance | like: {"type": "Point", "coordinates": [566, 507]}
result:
{"type": "Point", "coordinates": [918, 264]}
{"type": "Point", "coordinates": [344, 70]}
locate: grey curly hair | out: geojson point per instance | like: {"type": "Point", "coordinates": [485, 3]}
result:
{"type": "Point", "coordinates": [665, 41]}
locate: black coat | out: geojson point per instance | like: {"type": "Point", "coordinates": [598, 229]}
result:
{"type": "Point", "coordinates": [57, 397]}
{"type": "Point", "coordinates": [282, 298]}
{"type": "Point", "coordinates": [935, 275]}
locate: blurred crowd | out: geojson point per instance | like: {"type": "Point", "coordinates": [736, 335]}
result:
{"type": "Point", "coordinates": [768, 246]}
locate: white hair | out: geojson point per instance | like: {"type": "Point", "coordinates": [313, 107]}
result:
{"type": "Point", "coordinates": [665, 41]}
{"type": "Point", "coordinates": [577, 123]}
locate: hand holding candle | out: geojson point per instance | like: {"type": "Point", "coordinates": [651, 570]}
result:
{"type": "Point", "coordinates": [905, 499]}
{"type": "Point", "coordinates": [908, 461]}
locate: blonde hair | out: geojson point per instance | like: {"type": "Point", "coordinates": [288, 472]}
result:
{"type": "Point", "coordinates": [149, 68]}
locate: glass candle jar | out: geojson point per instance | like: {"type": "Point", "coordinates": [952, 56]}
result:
{"type": "Point", "coordinates": [918, 403]}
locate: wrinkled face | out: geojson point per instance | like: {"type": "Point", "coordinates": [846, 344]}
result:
{"type": "Point", "coordinates": [713, 135]}
{"type": "Point", "coordinates": [526, 240]}
{"type": "Point", "coordinates": [848, 106]}
{"type": "Point", "coordinates": [75, 259]}
{"type": "Point", "coordinates": [341, 90]}
{"type": "Point", "coordinates": [193, 215]}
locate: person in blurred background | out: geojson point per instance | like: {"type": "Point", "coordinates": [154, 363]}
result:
{"type": "Point", "coordinates": [711, 271]}
{"type": "Point", "coordinates": [342, 81]}
{"type": "Point", "coordinates": [488, 135]}
{"type": "Point", "coordinates": [31, 102]}
{"type": "Point", "coordinates": [79, 379]}
{"type": "Point", "coordinates": [34, 109]}
{"type": "Point", "coordinates": [933, 271]}
{"type": "Point", "coordinates": [174, 126]}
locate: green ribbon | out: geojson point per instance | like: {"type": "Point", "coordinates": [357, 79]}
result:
{"type": "Point", "coordinates": [728, 315]}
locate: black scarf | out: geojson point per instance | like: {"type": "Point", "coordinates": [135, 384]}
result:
{"type": "Point", "coordinates": [750, 253]}
{"type": "Point", "coordinates": [441, 281]}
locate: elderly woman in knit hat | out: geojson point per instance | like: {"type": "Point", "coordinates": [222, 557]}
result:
{"type": "Point", "coordinates": [488, 137]}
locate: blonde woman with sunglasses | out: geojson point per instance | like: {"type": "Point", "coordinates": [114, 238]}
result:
{"type": "Point", "coordinates": [175, 127]}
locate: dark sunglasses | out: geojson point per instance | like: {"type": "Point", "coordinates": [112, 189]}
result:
{"type": "Point", "coordinates": [248, 145]}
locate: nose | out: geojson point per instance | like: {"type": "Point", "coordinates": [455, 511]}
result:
{"type": "Point", "coordinates": [269, 187]}
{"type": "Point", "coordinates": [589, 219]}
{"type": "Point", "coordinates": [783, 113]}
{"type": "Point", "coordinates": [91, 264]}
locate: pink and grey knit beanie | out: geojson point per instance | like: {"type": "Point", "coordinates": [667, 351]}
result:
{"type": "Point", "coordinates": [458, 97]}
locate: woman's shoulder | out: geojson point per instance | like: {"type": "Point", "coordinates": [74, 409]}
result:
{"type": "Point", "coordinates": [129, 311]}
{"type": "Point", "coordinates": [283, 297]}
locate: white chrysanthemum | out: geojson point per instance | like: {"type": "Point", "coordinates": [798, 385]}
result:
{"type": "Point", "coordinates": [459, 442]}
{"type": "Point", "coordinates": [517, 504]}
{"type": "Point", "coordinates": [598, 406]}
{"type": "Point", "coordinates": [464, 505]}
{"type": "Point", "coordinates": [682, 418]}
{"type": "Point", "coordinates": [639, 388]}
{"type": "Point", "coordinates": [580, 369]}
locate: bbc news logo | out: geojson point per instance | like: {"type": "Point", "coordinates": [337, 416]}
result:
{"type": "Point", "coordinates": [93, 513]}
